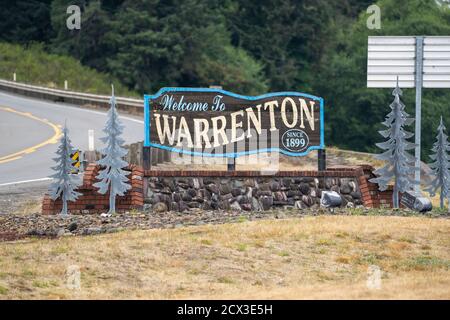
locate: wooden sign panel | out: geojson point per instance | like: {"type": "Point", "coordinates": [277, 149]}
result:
{"type": "Point", "coordinates": [215, 122]}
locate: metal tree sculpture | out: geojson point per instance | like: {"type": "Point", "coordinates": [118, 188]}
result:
{"type": "Point", "coordinates": [441, 166]}
{"type": "Point", "coordinates": [112, 177]}
{"type": "Point", "coordinates": [65, 183]}
{"type": "Point", "coordinates": [400, 166]}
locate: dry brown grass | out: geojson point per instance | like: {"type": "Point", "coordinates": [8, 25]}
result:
{"type": "Point", "coordinates": [312, 257]}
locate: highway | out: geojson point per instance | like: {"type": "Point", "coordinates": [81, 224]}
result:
{"type": "Point", "coordinates": [29, 131]}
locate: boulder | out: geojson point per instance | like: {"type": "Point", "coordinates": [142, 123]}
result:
{"type": "Point", "coordinates": [308, 200]}
{"type": "Point", "coordinates": [249, 182]}
{"type": "Point", "coordinates": [266, 202]}
{"type": "Point", "coordinates": [225, 189]}
{"type": "Point", "coordinates": [213, 188]}
{"type": "Point", "coordinates": [160, 207]}
{"type": "Point", "coordinates": [182, 206]}
{"type": "Point", "coordinates": [236, 192]}
{"type": "Point", "coordinates": [256, 206]}
{"type": "Point", "coordinates": [72, 226]}
{"type": "Point", "coordinates": [192, 192]}
{"type": "Point", "coordinates": [176, 197]}
{"type": "Point", "coordinates": [346, 188]}
{"type": "Point", "coordinates": [300, 205]}
{"type": "Point", "coordinates": [335, 188]}
{"type": "Point", "coordinates": [224, 205]}
{"type": "Point", "coordinates": [356, 195]}
{"type": "Point", "coordinates": [235, 206]}
{"type": "Point", "coordinates": [275, 186]}
{"type": "Point", "coordinates": [305, 188]}
{"type": "Point", "coordinates": [174, 206]}
{"type": "Point", "coordinates": [186, 197]}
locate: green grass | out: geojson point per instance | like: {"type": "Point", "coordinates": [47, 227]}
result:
{"type": "Point", "coordinates": [425, 262]}
{"type": "Point", "coordinates": [33, 65]}
{"type": "Point", "coordinates": [3, 290]}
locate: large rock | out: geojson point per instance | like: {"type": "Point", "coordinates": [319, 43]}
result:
{"type": "Point", "coordinates": [225, 189]}
{"type": "Point", "coordinates": [293, 193]}
{"type": "Point", "coordinates": [249, 182]}
{"type": "Point", "coordinates": [262, 193]}
{"type": "Point", "coordinates": [275, 186]}
{"type": "Point", "coordinates": [160, 207]}
{"type": "Point", "coordinates": [242, 199]}
{"type": "Point", "coordinates": [266, 202]}
{"type": "Point", "coordinates": [186, 197]}
{"type": "Point", "coordinates": [300, 205]}
{"type": "Point", "coordinates": [182, 206]}
{"type": "Point", "coordinates": [176, 197]}
{"type": "Point", "coordinates": [356, 195]}
{"type": "Point", "coordinates": [207, 205]}
{"type": "Point", "coordinates": [264, 187]}
{"type": "Point", "coordinates": [286, 182]}
{"type": "Point", "coordinates": [335, 188]}
{"type": "Point", "coordinates": [224, 205]}
{"type": "Point", "coordinates": [192, 192]}
{"type": "Point", "coordinates": [308, 200]}
{"type": "Point", "coordinates": [213, 188]}
{"type": "Point", "coordinates": [236, 192]}
{"type": "Point", "coordinates": [228, 196]}
{"type": "Point", "coordinates": [305, 188]}
{"type": "Point", "coordinates": [256, 206]}
{"type": "Point", "coordinates": [316, 193]}
{"type": "Point", "coordinates": [205, 194]}
{"type": "Point", "coordinates": [194, 204]}
{"type": "Point", "coordinates": [174, 206]}
{"type": "Point", "coordinates": [72, 226]}
{"type": "Point", "coordinates": [346, 188]}
{"type": "Point", "coordinates": [235, 206]}
{"type": "Point", "coordinates": [249, 192]}
{"type": "Point", "coordinates": [280, 196]}
{"type": "Point", "coordinates": [237, 183]}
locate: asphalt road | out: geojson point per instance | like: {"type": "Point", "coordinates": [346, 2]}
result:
{"type": "Point", "coordinates": [29, 129]}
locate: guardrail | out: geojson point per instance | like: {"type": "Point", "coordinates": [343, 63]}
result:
{"type": "Point", "coordinates": [127, 104]}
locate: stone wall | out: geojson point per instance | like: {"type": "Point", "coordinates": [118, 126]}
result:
{"type": "Point", "coordinates": [180, 190]}
{"type": "Point", "coordinates": [184, 190]}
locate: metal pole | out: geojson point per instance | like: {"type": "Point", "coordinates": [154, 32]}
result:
{"type": "Point", "coordinates": [419, 84]}
{"type": "Point", "coordinates": [322, 160]}
{"type": "Point", "coordinates": [147, 157]}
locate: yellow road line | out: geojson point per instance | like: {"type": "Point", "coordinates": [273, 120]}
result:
{"type": "Point", "coordinates": [9, 159]}
{"type": "Point", "coordinates": [19, 154]}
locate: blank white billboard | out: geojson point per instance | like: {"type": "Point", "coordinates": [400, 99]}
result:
{"type": "Point", "coordinates": [389, 57]}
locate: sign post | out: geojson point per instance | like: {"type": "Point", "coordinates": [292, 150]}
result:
{"type": "Point", "coordinates": [418, 62]}
{"type": "Point", "coordinates": [418, 120]}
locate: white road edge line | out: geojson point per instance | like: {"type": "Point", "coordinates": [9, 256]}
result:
{"type": "Point", "coordinates": [51, 105]}
{"type": "Point", "coordinates": [24, 181]}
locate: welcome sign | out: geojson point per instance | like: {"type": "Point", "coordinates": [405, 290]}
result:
{"type": "Point", "coordinates": [212, 122]}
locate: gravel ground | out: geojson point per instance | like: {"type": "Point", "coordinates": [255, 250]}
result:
{"type": "Point", "coordinates": [13, 226]}
{"type": "Point", "coordinates": [20, 217]}
{"type": "Point", "coordinates": [22, 197]}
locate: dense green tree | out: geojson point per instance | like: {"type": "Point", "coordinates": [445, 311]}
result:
{"type": "Point", "coordinates": [180, 43]}
{"type": "Point", "coordinates": [90, 44]}
{"type": "Point", "coordinates": [25, 21]}
{"type": "Point", "coordinates": [288, 36]}
{"type": "Point", "coordinates": [354, 111]}
{"type": "Point", "coordinates": [247, 46]}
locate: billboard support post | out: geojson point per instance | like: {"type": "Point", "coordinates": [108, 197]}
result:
{"type": "Point", "coordinates": [418, 120]}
